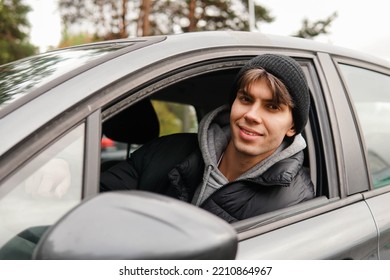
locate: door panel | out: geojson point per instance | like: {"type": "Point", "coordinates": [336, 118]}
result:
{"type": "Point", "coordinates": [345, 233]}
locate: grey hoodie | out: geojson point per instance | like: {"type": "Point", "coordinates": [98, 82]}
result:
{"type": "Point", "coordinates": [214, 136]}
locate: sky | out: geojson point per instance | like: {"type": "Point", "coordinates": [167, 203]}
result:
{"type": "Point", "coordinates": [360, 25]}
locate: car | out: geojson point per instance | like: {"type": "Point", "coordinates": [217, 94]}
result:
{"type": "Point", "coordinates": [56, 107]}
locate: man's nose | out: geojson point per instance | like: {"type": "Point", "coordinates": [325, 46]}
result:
{"type": "Point", "coordinates": [254, 114]}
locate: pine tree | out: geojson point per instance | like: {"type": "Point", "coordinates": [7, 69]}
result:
{"type": "Point", "coordinates": [14, 28]}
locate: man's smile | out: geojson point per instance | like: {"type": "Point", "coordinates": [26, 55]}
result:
{"type": "Point", "coordinates": [249, 132]}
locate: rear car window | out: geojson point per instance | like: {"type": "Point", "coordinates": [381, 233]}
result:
{"type": "Point", "coordinates": [370, 92]}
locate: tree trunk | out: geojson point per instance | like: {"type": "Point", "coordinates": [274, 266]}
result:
{"type": "Point", "coordinates": [143, 23]}
{"type": "Point", "coordinates": [123, 23]}
{"type": "Point", "coordinates": [191, 16]}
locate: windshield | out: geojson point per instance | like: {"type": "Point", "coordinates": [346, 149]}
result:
{"type": "Point", "coordinates": [22, 76]}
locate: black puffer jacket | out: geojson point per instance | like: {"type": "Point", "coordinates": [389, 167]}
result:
{"type": "Point", "coordinates": [173, 165]}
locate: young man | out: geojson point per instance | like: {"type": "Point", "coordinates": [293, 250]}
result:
{"type": "Point", "coordinates": [248, 159]}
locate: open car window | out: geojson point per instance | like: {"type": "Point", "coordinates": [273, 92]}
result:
{"type": "Point", "coordinates": [194, 93]}
{"type": "Point", "coordinates": [370, 95]}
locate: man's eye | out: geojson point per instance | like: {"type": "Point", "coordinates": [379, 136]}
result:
{"type": "Point", "coordinates": [244, 98]}
{"type": "Point", "coordinates": [273, 107]}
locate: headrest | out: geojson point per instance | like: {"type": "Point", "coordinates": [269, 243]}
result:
{"type": "Point", "coordinates": [137, 124]}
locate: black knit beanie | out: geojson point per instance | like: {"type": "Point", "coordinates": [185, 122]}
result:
{"type": "Point", "coordinates": [290, 73]}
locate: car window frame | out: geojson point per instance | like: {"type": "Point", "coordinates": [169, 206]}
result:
{"type": "Point", "coordinates": [321, 129]}
{"type": "Point", "coordinates": [353, 177]}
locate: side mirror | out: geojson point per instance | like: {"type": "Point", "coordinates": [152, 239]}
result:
{"type": "Point", "coordinates": [137, 225]}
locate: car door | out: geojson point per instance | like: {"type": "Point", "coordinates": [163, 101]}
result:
{"type": "Point", "coordinates": [335, 225]}
{"type": "Point", "coordinates": [369, 90]}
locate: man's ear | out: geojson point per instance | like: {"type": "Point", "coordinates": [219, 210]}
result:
{"type": "Point", "coordinates": [291, 132]}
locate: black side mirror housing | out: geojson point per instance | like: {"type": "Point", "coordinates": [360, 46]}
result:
{"type": "Point", "coordinates": [137, 225]}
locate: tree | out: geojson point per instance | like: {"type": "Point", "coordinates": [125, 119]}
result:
{"type": "Point", "coordinates": [118, 19]}
{"type": "Point", "coordinates": [106, 19]}
{"type": "Point", "coordinates": [109, 19]}
{"type": "Point", "coordinates": [203, 15]}
{"type": "Point", "coordinates": [14, 28]}
{"type": "Point", "coordinates": [310, 30]}
{"type": "Point", "coordinates": [143, 21]}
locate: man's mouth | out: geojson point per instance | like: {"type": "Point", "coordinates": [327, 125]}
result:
{"type": "Point", "coordinates": [250, 132]}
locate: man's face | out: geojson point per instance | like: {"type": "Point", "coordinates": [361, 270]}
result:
{"type": "Point", "coordinates": [259, 125]}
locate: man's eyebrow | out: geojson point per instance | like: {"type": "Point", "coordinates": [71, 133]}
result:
{"type": "Point", "coordinates": [247, 93]}
{"type": "Point", "coordinates": [244, 91]}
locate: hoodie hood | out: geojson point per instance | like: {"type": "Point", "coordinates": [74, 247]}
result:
{"type": "Point", "coordinates": [214, 135]}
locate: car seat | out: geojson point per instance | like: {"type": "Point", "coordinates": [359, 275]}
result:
{"type": "Point", "coordinates": [136, 125]}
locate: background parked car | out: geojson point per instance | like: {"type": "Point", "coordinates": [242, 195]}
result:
{"type": "Point", "coordinates": [56, 107]}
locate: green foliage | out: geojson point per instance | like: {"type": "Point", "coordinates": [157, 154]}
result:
{"type": "Point", "coordinates": [186, 116]}
{"type": "Point", "coordinates": [310, 30]}
{"type": "Point", "coordinates": [14, 28]}
{"type": "Point", "coordinates": [174, 118]}
{"type": "Point", "coordinates": [169, 123]}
